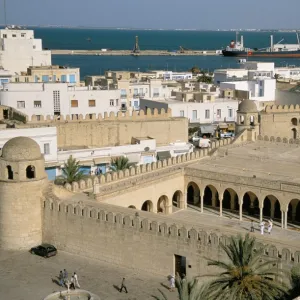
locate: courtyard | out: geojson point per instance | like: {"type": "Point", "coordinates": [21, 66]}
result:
{"type": "Point", "coordinates": [24, 276]}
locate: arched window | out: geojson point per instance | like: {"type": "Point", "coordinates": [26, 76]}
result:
{"type": "Point", "coordinates": [294, 133]}
{"type": "Point", "coordinates": [294, 121]}
{"type": "Point", "coordinates": [10, 173]}
{"type": "Point", "coordinates": [252, 120]}
{"type": "Point", "coordinates": [241, 120]}
{"type": "Point", "coordinates": [30, 172]}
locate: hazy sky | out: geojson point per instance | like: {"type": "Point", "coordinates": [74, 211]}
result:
{"type": "Point", "coordinates": [187, 14]}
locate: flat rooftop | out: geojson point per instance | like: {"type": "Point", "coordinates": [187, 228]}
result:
{"type": "Point", "coordinates": [272, 161]}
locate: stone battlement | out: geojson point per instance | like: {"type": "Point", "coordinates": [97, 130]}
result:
{"type": "Point", "coordinates": [120, 116]}
{"type": "Point", "coordinates": [274, 139]}
{"type": "Point", "coordinates": [114, 177]}
{"type": "Point", "coordinates": [99, 217]}
{"type": "Point", "coordinates": [282, 108]}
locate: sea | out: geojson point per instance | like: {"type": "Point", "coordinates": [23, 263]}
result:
{"type": "Point", "coordinates": [124, 39]}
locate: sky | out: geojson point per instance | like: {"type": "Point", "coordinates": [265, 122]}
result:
{"type": "Point", "coordinates": [155, 14]}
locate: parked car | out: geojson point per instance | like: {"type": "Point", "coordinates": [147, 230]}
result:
{"type": "Point", "coordinates": [44, 250]}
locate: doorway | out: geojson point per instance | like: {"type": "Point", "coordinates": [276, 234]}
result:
{"type": "Point", "coordinates": [180, 265]}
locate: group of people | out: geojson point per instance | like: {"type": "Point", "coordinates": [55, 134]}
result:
{"type": "Point", "coordinates": [64, 280]}
{"type": "Point", "coordinates": [263, 225]}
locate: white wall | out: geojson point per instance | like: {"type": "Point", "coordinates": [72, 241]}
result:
{"type": "Point", "coordinates": [30, 92]}
{"type": "Point", "coordinates": [288, 73]}
{"type": "Point", "coordinates": [228, 75]}
{"type": "Point", "coordinates": [44, 135]}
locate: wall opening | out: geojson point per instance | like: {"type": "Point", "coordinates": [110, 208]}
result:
{"type": "Point", "coordinates": [30, 172]}
{"type": "Point", "coordinates": [10, 173]}
{"type": "Point", "coordinates": [294, 133]}
{"type": "Point", "coordinates": [180, 265]}
{"type": "Point", "coordinates": [294, 122]}
{"type": "Point", "coordinates": [193, 193]}
{"type": "Point", "coordinates": [132, 206]}
{"type": "Point", "coordinates": [177, 199]}
{"type": "Point", "coordinates": [252, 121]}
{"type": "Point", "coordinates": [147, 206]}
{"type": "Point", "coordinates": [162, 204]}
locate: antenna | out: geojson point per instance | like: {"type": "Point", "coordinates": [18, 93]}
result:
{"type": "Point", "coordinates": [4, 6]}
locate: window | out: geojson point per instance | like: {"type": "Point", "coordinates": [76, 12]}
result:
{"type": "Point", "coordinates": [136, 92]}
{"type": "Point", "coordinates": [17, 79]}
{"type": "Point", "coordinates": [14, 35]}
{"type": "Point", "coordinates": [38, 117]}
{"type": "Point", "coordinates": [47, 148]}
{"type": "Point", "coordinates": [74, 103]}
{"type": "Point", "coordinates": [230, 113]}
{"type": "Point", "coordinates": [4, 36]}
{"type": "Point", "coordinates": [182, 113]}
{"type": "Point", "coordinates": [37, 104]}
{"type": "Point", "coordinates": [45, 78]}
{"type": "Point", "coordinates": [207, 114]}
{"type": "Point", "coordinates": [219, 113]}
{"type": "Point", "coordinates": [92, 103]}
{"type": "Point", "coordinates": [21, 104]}
{"type": "Point", "coordinates": [194, 117]}
{"type": "Point", "coordinates": [10, 173]}
{"type": "Point", "coordinates": [135, 103]}
{"type": "Point", "coordinates": [155, 92]}
{"type": "Point", "coordinates": [56, 102]}
{"type": "Point", "coordinates": [26, 79]}
{"type": "Point", "coordinates": [34, 46]}
{"type": "Point", "coordinates": [117, 102]}
{"type": "Point", "coordinates": [30, 172]}
{"type": "Point", "coordinates": [111, 102]}
{"type": "Point", "coordinates": [23, 34]}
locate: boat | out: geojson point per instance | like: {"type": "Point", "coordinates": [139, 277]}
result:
{"type": "Point", "coordinates": [237, 49]}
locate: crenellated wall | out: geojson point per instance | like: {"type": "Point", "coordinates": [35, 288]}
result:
{"type": "Point", "coordinates": [114, 177]}
{"type": "Point", "coordinates": [277, 139]}
{"type": "Point", "coordinates": [147, 243]}
{"type": "Point", "coordinates": [114, 130]}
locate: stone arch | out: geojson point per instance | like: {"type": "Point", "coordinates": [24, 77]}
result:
{"type": "Point", "coordinates": [211, 196]}
{"type": "Point", "coordinates": [241, 119]}
{"type": "Point", "coordinates": [30, 172]}
{"type": "Point", "coordinates": [294, 133]}
{"type": "Point", "coordinates": [162, 204]}
{"type": "Point", "coordinates": [132, 206]}
{"type": "Point", "coordinates": [193, 193]}
{"type": "Point", "coordinates": [271, 207]}
{"type": "Point", "coordinates": [294, 121]}
{"type": "Point", "coordinates": [250, 203]}
{"type": "Point", "coordinates": [147, 206]}
{"type": "Point", "coordinates": [230, 199]}
{"type": "Point", "coordinates": [9, 172]}
{"type": "Point", "coordinates": [294, 211]}
{"type": "Point", "coordinates": [252, 120]}
{"type": "Point", "coordinates": [178, 199]}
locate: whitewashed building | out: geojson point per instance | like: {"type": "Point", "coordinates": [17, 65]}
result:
{"type": "Point", "coordinates": [20, 50]}
{"type": "Point", "coordinates": [5, 77]}
{"type": "Point", "coordinates": [288, 73]}
{"type": "Point", "coordinates": [220, 110]}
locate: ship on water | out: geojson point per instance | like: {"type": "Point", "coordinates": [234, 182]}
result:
{"type": "Point", "coordinates": [237, 49]}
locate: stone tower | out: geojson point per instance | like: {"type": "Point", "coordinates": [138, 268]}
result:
{"type": "Point", "coordinates": [22, 181]}
{"type": "Point", "coordinates": [247, 117]}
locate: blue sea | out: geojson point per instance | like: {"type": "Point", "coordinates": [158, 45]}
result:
{"type": "Point", "coordinates": [95, 39]}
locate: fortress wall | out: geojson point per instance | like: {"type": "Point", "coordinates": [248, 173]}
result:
{"type": "Point", "coordinates": [130, 174]}
{"type": "Point", "coordinates": [114, 130]}
{"type": "Point", "coordinates": [277, 139]}
{"type": "Point", "coordinates": [147, 244]}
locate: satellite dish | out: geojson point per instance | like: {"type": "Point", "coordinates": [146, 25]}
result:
{"type": "Point", "coordinates": [146, 149]}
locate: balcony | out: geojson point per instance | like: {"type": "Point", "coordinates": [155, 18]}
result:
{"type": "Point", "coordinates": [138, 95]}
{"type": "Point", "coordinates": [124, 96]}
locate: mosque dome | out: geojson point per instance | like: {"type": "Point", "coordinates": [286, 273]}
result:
{"type": "Point", "coordinates": [247, 106]}
{"type": "Point", "coordinates": [21, 148]}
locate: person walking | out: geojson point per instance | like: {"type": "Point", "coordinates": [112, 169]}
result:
{"type": "Point", "coordinates": [61, 278]}
{"type": "Point", "coordinates": [123, 286]}
{"type": "Point", "coordinates": [252, 226]}
{"type": "Point", "coordinates": [65, 274]}
{"type": "Point", "coordinates": [172, 283]}
{"type": "Point", "coordinates": [76, 280]}
{"type": "Point", "coordinates": [72, 285]}
{"type": "Point", "coordinates": [270, 226]}
{"type": "Point", "coordinates": [262, 227]}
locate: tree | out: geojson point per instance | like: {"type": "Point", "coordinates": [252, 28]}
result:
{"type": "Point", "coordinates": [246, 275]}
{"type": "Point", "coordinates": [295, 282]}
{"type": "Point", "coordinates": [195, 70]}
{"type": "Point", "coordinates": [71, 170]}
{"type": "Point", "coordinates": [119, 163]}
{"type": "Point", "coordinates": [204, 78]}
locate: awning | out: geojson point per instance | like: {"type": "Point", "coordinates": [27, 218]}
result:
{"type": "Point", "coordinates": [163, 155]}
{"type": "Point", "coordinates": [207, 129]}
{"type": "Point", "coordinates": [87, 163]}
{"type": "Point", "coordinates": [102, 160]}
{"type": "Point", "coordinates": [223, 126]}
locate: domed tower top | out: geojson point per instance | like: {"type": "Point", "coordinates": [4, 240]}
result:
{"type": "Point", "coordinates": [247, 116]}
{"type": "Point", "coordinates": [21, 160]}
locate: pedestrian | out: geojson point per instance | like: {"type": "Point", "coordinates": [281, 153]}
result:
{"type": "Point", "coordinates": [172, 283]}
{"type": "Point", "coordinates": [123, 286]}
{"type": "Point", "coordinates": [270, 226]}
{"type": "Point", "coordinates": [262, 227]}
{"type": "Point", "coordinates": [252, 226]}
{"type": "Point", "coordinates": [76, 280]}
{"type": "Point", "coordinates": [65, 274]}
{"type": "Point", "coordinates": [61, 278]}
{"type": "Point", "coordinates": [72, 285]}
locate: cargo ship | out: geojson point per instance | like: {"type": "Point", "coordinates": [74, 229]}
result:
{"type": "Point", "coordinates": [237, 49]}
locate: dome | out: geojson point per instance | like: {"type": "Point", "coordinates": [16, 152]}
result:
{"type": "Point", "coordinates": [247, 106]}
{"type": "Point", "coordinates": [21, 148]}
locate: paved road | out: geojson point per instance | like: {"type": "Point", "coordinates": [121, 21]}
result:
{"type": "Point", "coordinates": [24, 276]}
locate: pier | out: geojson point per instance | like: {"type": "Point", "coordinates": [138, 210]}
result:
{"type": "Point", "coordinates": [140, 53]}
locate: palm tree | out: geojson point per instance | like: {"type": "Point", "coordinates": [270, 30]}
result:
{"type": "Point", "coordinates": [195, 70]}
{"type": "Point", "coordinates": [245, 275]}
{"type": "Point", "coordinates": [119, 163]}
{"type": "Point", "coordinates": [294, 292]}
{"type": "Point", "coordinates": [71, 170]}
